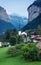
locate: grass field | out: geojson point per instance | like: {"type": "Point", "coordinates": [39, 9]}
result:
{"type": "Point", "coordinates": [4, 60]}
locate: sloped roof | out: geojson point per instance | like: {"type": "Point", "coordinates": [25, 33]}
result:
{"type": "Point", "coordinates": [36, 37]}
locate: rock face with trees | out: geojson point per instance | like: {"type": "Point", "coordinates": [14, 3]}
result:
{"type": "Point", "coordinates": [34, 15]}
{"type": "Point", "coordinates": [34, 10]}
{"type": "Point", "coordinates": [4, 21]}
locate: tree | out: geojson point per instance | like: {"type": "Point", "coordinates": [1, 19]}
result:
{"type": "Point", "coordinates": [30, 51]}
{"type": "Point", "coordinates": [6, 36]}
{"type": "Point", "coordinates": [39, 30]}
{"type": "Point", "coordinates": [20, 39]}
{"type": "Point", "coordinates": [13, 40]}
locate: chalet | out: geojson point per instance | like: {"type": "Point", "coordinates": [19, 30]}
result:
{"type": "Point", "coordinates": [35, 38]}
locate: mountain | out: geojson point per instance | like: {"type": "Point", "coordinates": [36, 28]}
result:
{"type": "Point", "coordinates": [18, 21]}
{"type": "Point", "coordinates": [4, 21]}
{"type": "Point", "coordinates": [10, 22]}
{"type": "Point", "coordinates": [34, 10]}
{"type": "Point", "coordinates": [3, 14]}
{"type": "Point", "coordinates": [33, 24]}
{"type": "Point", "coordinates": [34, 15]}
{"type": "Point", "coordinates": [5, 26]}
{"type": "Point", "coordinates": [37, 3]}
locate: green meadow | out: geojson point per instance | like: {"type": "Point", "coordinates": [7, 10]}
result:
{"type": "Point", "coordinates": [5, 60]}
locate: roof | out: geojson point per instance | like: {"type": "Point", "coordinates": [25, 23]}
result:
{"type": "Point", "coordinates": [32, 36]}
{"type": "Point", "coordinates": [38, 38]}
{"type": "Point", "coordinates": [35, 37]}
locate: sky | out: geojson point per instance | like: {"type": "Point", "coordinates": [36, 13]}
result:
{"type": "Point", "coordinates": [18, 7]}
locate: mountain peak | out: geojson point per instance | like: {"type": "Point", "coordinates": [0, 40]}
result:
{"type": "Point", "coordinates": [3, 14]}
{"type": "Point", "coordinates": [1, 8]}
{"type": "Point", "coordinates": [37, 3]}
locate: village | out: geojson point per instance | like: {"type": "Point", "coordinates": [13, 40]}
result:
{"type": "Point", "coordinates": [20, 32]}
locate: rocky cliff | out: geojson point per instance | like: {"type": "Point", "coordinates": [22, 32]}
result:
{"type": "Point", "coordinates": [4, 21]}
{"type": "Point", "coordinates": [3, 14]}
{"type": "Point", "coordinates": [34, 10]}
{"type": "Point", "coordinates": [34, 15]}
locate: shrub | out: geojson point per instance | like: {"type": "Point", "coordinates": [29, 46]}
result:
{"type": "Point", "coordinates": [11, 51]}
{"type": "Point", "coordinates": [14, 51]}
{"type": "Point", "coordinates": [30, 51]}
{"type": "Point", "coordinates": [39, 56]}
{"type": "Point", "coordinates": [19, 46]}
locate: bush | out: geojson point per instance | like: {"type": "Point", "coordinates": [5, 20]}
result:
{"type": "Point", "coordinates": [30, 51]}
{"type": "Point", "coordinates": [39, 56]}
{"type": "Point", "coordinates": [11, 51]}
{"type": "Point", "coordinates": [14, 51]}
{"type": "Point", "coordinates": [19, 46]}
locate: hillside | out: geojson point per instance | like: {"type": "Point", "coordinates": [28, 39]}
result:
{"type": "Point", "coordinates": [4, 21]}
{"type": "Point", "coordinates": [18, 21]}
{"type": "Point", "coordinates": [33, 24]}
{"type": "Point", "coordinates": [34, 15]}
{"type": "Point", "coordinates": [3, 14]}
{"type": "Point", "coordinates": [5, 26]}
{"type": "Point", "coordinates": [10, 21]}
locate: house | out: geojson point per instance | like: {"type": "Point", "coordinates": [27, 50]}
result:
{"type": "Point", "coordinates": [27, 39]}
{"type": "Point", "coordinates": [5, 44]}
{"type": "Point", "coordinates": [0, 44]}
{"type": "Point", "coordinates": [22, 33]}
{"type": "Point", "coordinates": [35, 38]}
{"type": "Point", "coordinates": [38, 38]}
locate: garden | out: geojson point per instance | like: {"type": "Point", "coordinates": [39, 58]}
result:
{"type": "Point", "coordinates": [20, 54]}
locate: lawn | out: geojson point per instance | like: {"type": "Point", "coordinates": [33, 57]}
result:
{"type": "Point", "coordinates": [4, 60]}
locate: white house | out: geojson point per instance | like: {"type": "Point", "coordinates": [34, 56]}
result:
{"type": "Point", "coordinates": [22, 33]}
{"type": "Point", "coordinates": [0, 44]}
{"type": "Point", "coordinates": [27, 38]}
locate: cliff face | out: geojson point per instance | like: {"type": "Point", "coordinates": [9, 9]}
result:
{"type": "Point", "coordinates": [34, 15]}
{"type": "Point", "coordinates": [34, 10]}
{"type": "Point", "coordinates": [3, 14]}
{"type": "Point", "coordinates": [33, 24]}
{"type": "Point", "coordinates": [4, 21]}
